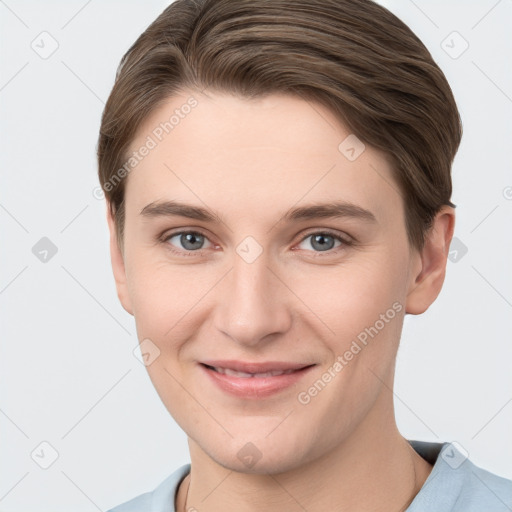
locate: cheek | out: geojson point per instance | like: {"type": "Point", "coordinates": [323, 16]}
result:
{"type": "Point", "coordinates": [154, 285]}
{"type": "Point", "coordinates": [351, 296]}
{"type": "Point", "coordinates": [168, 300]}
{"type": "Point", "coordinates": [163, 303]}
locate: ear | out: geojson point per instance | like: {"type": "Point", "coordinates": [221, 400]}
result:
{"type": "Point", "coordinates": [428, 275]}
{"type": "Point", "coordinates": [118, 267]}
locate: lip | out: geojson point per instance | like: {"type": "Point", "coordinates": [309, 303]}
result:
{"type": "Point", "coordinates": [255, 387]}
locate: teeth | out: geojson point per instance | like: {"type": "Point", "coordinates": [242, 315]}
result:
{"type": "Point", "coordinates": [233, 373]}
{"type": "Point", "coordinates": [227, 371]}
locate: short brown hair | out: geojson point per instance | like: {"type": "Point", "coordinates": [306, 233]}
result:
{"type": "Point", "coordinates": [353, 56]}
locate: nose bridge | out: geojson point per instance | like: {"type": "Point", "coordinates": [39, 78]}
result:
{"type": "Point", "coordinates": [253, 305]}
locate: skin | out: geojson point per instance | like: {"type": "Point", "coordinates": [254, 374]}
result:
{"type": "Point", "coordinates": [250, 161]}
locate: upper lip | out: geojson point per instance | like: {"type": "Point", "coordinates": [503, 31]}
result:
{"type": "Point", "coordinates": [253, 367]}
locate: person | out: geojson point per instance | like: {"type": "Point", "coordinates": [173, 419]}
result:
{"type": "Point", "coordinates": [277, 178]}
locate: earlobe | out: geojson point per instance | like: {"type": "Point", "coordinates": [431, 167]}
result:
{"type": "Point", "coordinates": [118, 265]}
{"type": "Point", "coordinates": [426, 283]}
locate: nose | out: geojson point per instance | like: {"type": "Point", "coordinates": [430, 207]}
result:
{"type": "Point", "coordinates": [254, 303]}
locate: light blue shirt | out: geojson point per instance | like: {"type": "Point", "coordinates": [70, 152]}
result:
{"type": "Point", "coordinates": [455, 484]}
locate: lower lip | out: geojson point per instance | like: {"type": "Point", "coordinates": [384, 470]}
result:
{"type": "Point", "coordinates": [255, 387]}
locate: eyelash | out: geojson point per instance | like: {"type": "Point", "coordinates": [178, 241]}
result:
{"type": "Point", "coordinates": [345, 242]}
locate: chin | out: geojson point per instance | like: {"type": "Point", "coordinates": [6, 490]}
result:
{"type": "Point", "coordinates": [258, 454]}
{"type": "Point", "coordinates": [276, 464]}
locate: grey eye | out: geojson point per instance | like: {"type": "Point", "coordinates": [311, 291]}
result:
{"type": "Point", "coordinates": [189, 240]}
{"type": "Point", "coordinates": [321, 241]}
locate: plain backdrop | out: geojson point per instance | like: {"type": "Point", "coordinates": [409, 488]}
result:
{"type": "Point", "coordinates": [69, 377]}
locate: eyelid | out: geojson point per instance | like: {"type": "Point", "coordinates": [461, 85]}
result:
{"type": "Point", "coordinates": [345, 239]}
{"type": "Point", "coordinates": [164, 238]}
{"type": "Point", "coordinates": [340, 235]}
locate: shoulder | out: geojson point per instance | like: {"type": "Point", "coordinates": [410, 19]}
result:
{"type": "Point", "coordinates": [456, 484]}
{"type": "Point", "coordinates": [160, 499]}
{"type": "Point", "coordinates": [482, 488]}
{"type": "Point", "coordinates": [141, 502]}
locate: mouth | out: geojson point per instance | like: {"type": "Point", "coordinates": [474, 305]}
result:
{"type": "Point", "coordinates": [254, 380]}
{"type": "Point", "coordinates": [248, 375]}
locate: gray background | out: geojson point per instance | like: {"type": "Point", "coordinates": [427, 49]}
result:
{"type": "Point", "coordinates": [69, 375]}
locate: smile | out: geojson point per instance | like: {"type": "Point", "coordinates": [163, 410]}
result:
{"type": "Point", "coordinates": [234, 373]}
{"type": "Point", "coordinates": [254, 380]}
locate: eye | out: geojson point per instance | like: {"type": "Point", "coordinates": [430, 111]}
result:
{"type": "Point", "coordinates": [188, 241]}
{"type": "Point", "coordinates": [324, 241]}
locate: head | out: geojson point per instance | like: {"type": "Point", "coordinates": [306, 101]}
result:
{"type": "Point", "coordinates": [277, 177]}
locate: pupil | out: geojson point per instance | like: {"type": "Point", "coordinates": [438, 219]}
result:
{"type": "Point", "coordinates": [323, 246]}
{"type": "Point", "coordinates": [191, 239]}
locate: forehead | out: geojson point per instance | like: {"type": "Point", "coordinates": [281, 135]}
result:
{"type": "Point", "coordinates": [241, 154]}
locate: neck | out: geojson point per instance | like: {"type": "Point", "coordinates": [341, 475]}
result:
{"type": "Point", "coordinates": [375, 469]}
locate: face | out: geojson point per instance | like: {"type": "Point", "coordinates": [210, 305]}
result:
{"type": "Point", "coordinates": [258, 238]}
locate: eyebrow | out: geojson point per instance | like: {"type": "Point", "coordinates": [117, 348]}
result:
{"type": "Point", "coordinates": [309, 212]}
